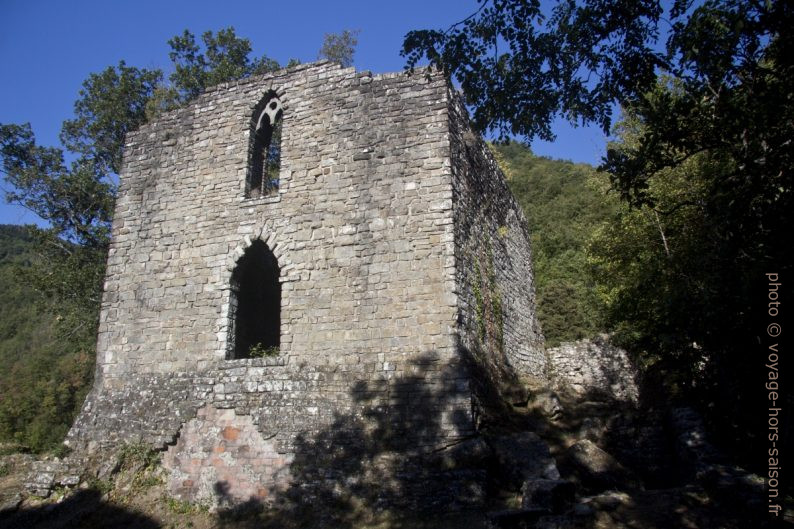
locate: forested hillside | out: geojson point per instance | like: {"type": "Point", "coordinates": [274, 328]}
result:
{"type": "Point", "coordinates": [564, 205]}
{"type": "Point", "coordinates": [45, 370]}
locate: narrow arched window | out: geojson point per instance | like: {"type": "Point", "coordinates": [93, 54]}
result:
{"type": "Point", "coordinates": [265, 151]}
{"type": "Point", "coordinates": [256, 304]}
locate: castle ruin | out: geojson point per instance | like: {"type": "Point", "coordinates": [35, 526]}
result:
{"type": "Point", "coordinates": [305, 268]}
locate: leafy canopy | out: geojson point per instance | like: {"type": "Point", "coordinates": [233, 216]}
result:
{"type": "Point", "coordinates": [77, 201]}
{"type": "Point", "coordinates": [519, 68]}
{"type": "Point", "coordinates": [564, 211]}
{"type": "Point", "coordinates": [110, 104]}
{"type": "Point", "coordinates": [226, 58]}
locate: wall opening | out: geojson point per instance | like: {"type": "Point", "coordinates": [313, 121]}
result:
{"type": "Point", "coordinates": [265, 148]}
{"type": "Point", "coordinates": [255, 304]}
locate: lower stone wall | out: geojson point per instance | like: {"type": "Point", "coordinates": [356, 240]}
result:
{"type": "Point", "coordinates": [253, 429]}
{"type": "Point", "coordinates": [220, 457]}
{"type": "Point", "coordinates": [594, 366]}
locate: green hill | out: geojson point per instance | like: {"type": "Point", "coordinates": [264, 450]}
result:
{"type": "Point", "coordinates": [45, 372]}
{"type": "Point", "coordinates": [564, 206]}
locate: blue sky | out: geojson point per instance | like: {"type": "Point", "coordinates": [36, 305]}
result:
{"type": "Point", "coordinates": [47, 49]}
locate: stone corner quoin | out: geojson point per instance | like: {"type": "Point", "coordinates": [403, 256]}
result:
{"type": "Point", "coordinates": [396, 254]}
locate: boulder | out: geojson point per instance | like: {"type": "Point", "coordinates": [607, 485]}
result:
{"type": "Point", "coordinates": [597, 469]}
{"type": "Point", "coordinates": [41, 482]}
{"type": "Point", "coordinates": [553, 494]}
{"type": "Point", "coordinates": [549, 403]}
{"type": "Point", "coordinates": [12, 503]}
{"type": "Point", "coordinates": [515, 518]}
{"type": "Point", "coordinates": [608, 501]}
{"type": "Point", "coordinates": [523, 456]}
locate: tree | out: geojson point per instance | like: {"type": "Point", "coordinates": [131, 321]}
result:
{"type": "Point", "coordinates": [226, 59]}
{"type": "Point", "coordinates": [65, 269]}
{"type": "Point", "coordinates": [681, 298]}
{"type": "Point", "coordinates": [340, 47]}
{"type": "Point", "coordinates": [562, 211]}
{"type": "Point", "coordinates": [111, 104]}
{"type": "Point", "coordinates": [520, 68]}
{"type": "Point", "coordinates": [703, 159]}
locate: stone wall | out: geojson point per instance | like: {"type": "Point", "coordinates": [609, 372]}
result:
{"type": "Point", "coordinates": [381, 223]}
{"type": "Point", "coordinates": [221, 456]}
{"type": "Point", "coordinates": [594, 366]}
{"type": "Point", "coordinates": [492, 256]}
{"type": "Point", "coordinates": [358, 226]}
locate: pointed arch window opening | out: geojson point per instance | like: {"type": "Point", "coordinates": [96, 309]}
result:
{"type": "Point", "coordinates": [265, 155]}
{"type": "Point", "coordinates": [255, 304]}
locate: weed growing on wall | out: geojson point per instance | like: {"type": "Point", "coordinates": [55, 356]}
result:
{"type": "Point", "coordinates": [260, 351]}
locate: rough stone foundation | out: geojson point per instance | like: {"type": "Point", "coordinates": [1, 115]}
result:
{"type": "Point", "coordinates": [222, 457]}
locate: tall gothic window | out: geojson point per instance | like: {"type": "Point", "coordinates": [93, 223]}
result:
{"type": "Point", "coordinates": [265, 150]}
{"type": "Point", "coordinates": [256, 303]}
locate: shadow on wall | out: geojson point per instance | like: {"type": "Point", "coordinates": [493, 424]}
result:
{"type": "Point", "coordinates": [382, 460]}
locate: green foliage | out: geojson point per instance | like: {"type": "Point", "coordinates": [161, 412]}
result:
{"type": "Point", "coordinates": [683, 277]}
{"type": "Point", "coordinates": [111, 104]}
{"type": "Point", "coordinates": [163, 99]}
{"type": "Point", "coordinates": [479, 300]}
{"type": "Point", "coordinates": [340, 47]}
{"type": "Point", "coordinates": [142, 462]}
{"type": "Point", "coordinates": [727, 73]}
{"type": "Point", "coordinates": [103, 486]}
{"type": "Point", "coordinates": [563, 208]}
{"type": "Point", "coordinates": [138, 455]}
{"type": "Point", "coordinates": [77, 202]}
{"type": "Point", "coordinates": [225, 58]}
{"type": "Point", "coordinates": [52, 289]}
{"type": "Point", "coordinates": [47, 361]}
{"type": "Point", "coordinates": [488, 302]}
{"type": "Point", "coordinates": [184, 507]}
{"type": "Point", "coordinates": [663, 267]}
{"type": "Point", "coordinates": [732, 67]}
{"type": "Point", "coordinates": [519, 66]}
{"type": "Point", "coordinates": [261, 351]}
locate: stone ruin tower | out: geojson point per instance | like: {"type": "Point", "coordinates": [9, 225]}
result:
{"type": "Point", "coordinates": [311, 274]}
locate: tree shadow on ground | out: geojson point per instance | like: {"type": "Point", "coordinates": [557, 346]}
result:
{"type": "Point", "coordinates": [390, 460]}
{"type": "Point", "coordinates": [652, 483]}
{"type": "Point", "coordinates": [85, 509]}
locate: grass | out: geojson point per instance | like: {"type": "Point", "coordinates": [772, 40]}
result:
{"type": "Point", "coordinates": [138, 456]}
{"type": "Point", "coordinates": [182, 507]}
{"type": "Point", "coordinates": [260, 351]}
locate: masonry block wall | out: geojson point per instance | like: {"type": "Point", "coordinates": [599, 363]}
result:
{"type": "Point", "coordinates": [496, 294]}
{"type": "Point", "coordinates": [372, 227]}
